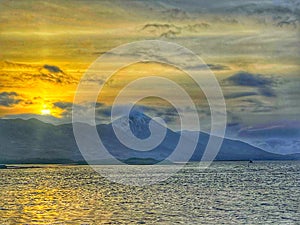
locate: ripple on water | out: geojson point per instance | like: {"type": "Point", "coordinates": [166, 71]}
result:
{"type": "Point", "coordinates": [227, 192]}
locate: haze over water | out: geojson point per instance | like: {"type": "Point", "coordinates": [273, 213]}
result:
{"type": "Point", "coordinates": [227, 192]}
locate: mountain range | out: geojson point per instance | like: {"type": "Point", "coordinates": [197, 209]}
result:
{"type": "Point", "coordinates": [280, 137]}
{"type": "Point", "coordinates": [33, 141]}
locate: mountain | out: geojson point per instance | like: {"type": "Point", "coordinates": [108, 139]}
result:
{"type": "Point", "coordinates": [32, 141]}
{"type": "Point", "coordinates": [280, 137]}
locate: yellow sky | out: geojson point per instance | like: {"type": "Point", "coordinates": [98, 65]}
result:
{"type": "Point", "coordinates": [46, 46]}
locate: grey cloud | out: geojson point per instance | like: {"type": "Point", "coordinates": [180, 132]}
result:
{"type": "Point", "coordinates": [267, 91]}
{"type": "Point", "coordinates": [53, 69]}
{"type": "Point", "coordinates": [169, 34]}
{"type": "Point", "coordinates": [20, 72]}
{"type": "Point", "coordinates": [67, 108]}
{"type": "Point", "coordinates": [239, 95]}
{"type": "Point", "coordinates": [215, 67]}
{"type": "Point", "coordinates": [258, 106]}
{"type": "Point", "coordinates": [63, 105]}
{"type": "Point", "coordinates": [162, 30]}
{"type": "Point", "coordinates": [168, 30]}
{"type": "Point", "coordinates": [262, 85]}
{"type": "Point", "coordinates": [99, 104]}
{"type": "Point", "coordinates": [218, 67]}
{"type": "Point", "coordinates": [156, 26]}
{"type": "Point", "coordinates": [264, 109]}
{"type": "Point", "coordinates": [248, 79]}
{"type": "Point", "coordinates": [102, 110]}
{"type": "Point", "coordinates": [288, 22]}
{"type": "Point", "coordinates": [169, 114]}
{"type": "Point", "coordinates": [9, 99]}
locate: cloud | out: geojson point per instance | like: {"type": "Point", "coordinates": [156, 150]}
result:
{"type": "Point", "coordinates": [218, 67]}
{"type": "Point", "coordinates": [169, 34]}
{"type": "Point", "coordinates": [257, 106]}
{"type": "Point", "coordinates": [103, 111]}
{"type": "Point", "coordinates": [169, 30]}
{"type": "Point", "coordinates": [63, 105]}
{"type": "Point", "coordinates": [12, 74]}
{"type": "Point", "coordinates": [169, 114]}
{"type": "Point", "coordinates": [240, 94]}
{"type": "Point", "coordinates": [267, 91]}
{"type": "Point", "coordinates": [53, 69]}
{"type": "Point", "coordinates": [248, 79]}
{"type": "Point", "coordinates": [284, 128]}
{"type": "Point", "coordinates": [161, 30]}
{"type": "Point", "coordinates": [67, 107]}
{"type": "Point", "coordinates": [215, 67]}
{"type": "Point", "coordinates": [9, 99]}
{"type": "Point", "coordinates": [262, 84]}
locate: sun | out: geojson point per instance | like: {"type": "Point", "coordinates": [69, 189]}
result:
{"type": "Point", "coordinates": [45, 112]}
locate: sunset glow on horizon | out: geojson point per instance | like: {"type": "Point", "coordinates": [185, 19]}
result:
{"type": "Point", "coordinates": [44, 54]}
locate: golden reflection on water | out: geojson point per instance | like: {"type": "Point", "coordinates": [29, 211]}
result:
{"type": "Point", "coordinates": [34, 198]}
{"type": "Point", "coordinates": [225, 193]}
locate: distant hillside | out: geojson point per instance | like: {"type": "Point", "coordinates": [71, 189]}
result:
{"type": "Point", "coordinates": [32, 141]}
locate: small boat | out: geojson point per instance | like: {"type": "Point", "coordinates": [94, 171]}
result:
{"type": "Point", "coordinates": [250, 161]}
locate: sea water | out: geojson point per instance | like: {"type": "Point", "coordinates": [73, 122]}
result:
{"type": "Point", "coordinates": [226, 192]}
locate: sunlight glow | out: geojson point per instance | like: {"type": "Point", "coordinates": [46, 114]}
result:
{"type": "Point", "coordinates": [45, 112]}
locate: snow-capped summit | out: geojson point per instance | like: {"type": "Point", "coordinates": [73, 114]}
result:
{"type": "Point", "coordinates": [138, 123]}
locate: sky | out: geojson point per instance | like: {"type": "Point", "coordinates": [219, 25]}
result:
{"type": "Point", "coordinates": [251, 46]}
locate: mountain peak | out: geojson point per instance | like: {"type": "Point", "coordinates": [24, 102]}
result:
{"type": "Point", "coordinates": [138, 122]}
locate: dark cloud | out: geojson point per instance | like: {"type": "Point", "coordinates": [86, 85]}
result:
{"type": "Point", "coordinates": [215, 67]}
{"type": "Point", "coordinates": [162, 30]}
{"type": "Point", "coordinates": [101, 110]}
{"type": "Point", "coordinates": [257, 106]}
{"type": "Point", "coordinates": [26, 73]}
{"type": "Point", "coordinates": [99, 104]}
{"type": "Point", "coordinates": [169, 30]}
{"type": "Point", "coordinates": [264, 109]}
{"type": "Point", "coordinates": [249, 79]}
{"type": "Point", "coordinates": [264, 85]}
{"type": "Point", "coordinates": [240, 94]}
{"type": "Point", "coordinates": [267, 91]}
{"type": "Point", "coordinates": [168, 114]}
{"type": "Point", "coordinates": [218, 67]}
{"type": "Point", "coordinates": [53, 69]}
{"type": "Point", "coordinates": [197, 27]}
{"type": "Point", "coordinates": [293, 22]}
{"type": "Point", "coordinates": [156, 26]}
{"type": "Point", "coordinates": [169, 34]}
{"type": "Point", "coordinates": [67, 108]}
{"type": "Point", "coordinates": [9, 99]}
{"type": "Point", "coordinates": [53, 74]}
{"type": "Point", "coordinates": [63, 105]}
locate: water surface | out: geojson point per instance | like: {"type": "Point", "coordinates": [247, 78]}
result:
{"type": "Point", "coordinates": [227, 192]}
